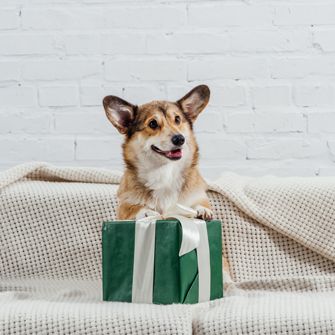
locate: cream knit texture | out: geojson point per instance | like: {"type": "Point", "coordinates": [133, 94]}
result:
{"type": "Point", "coordinates": [278, 236]}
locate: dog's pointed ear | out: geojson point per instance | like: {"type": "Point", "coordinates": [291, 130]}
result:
{"type": "Point", "coordinates": [195, 101]}
{"type": "Point", "coordinates": [119, 112]}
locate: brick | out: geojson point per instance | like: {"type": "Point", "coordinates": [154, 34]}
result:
{"type": "Point", "coordinates": [271, 96]}
{"type": "Point", "coordinates": [327, 171]}
{"type": "Point", "coordinates": [227, 96]}
{"type": "Point", "coordinates": [83, 123]}
{"type": "Point", "coordinates": [80, 44]}
{"type": "Point", "coordinates": [123, 43]}
{"type": "Point", "coordinates": [270, 41]}
{"type": "Point", "coordinates": [63, 18]}
{"type": "Point", "coordinates": [18, 96]}
{"type": "Point", "coordinates": [228, 67]}
{"type": "Point", "coordinates": [42, 149]}
{"type": "Point", "coordinates": [223, 15]}
{"type": "Point", "coordinates": [214, 147]}
{"type": "Point", "coordinates": [60, 70]}
{"type": "Point", "coordinates": [74, 17]}
{"type": "Point", "coordinates": [325, 39]}
{"type": "Point", "coordinates": [20, 150]}
{"type": "Point", "coordinates": [312, 96]}
{"type": "Point", "coordinates": [321, 122]}
{"type": "Point", "coordinates": [297, 67]}
{"type": "Point", "coordinates": [265, 122]}
{"type": "Point", "coordinates": [208, 122]}
{"type": "Point", "coordinates": [305, 14]}
{"type": "Point", "coordinates": [9, 19]}
{"type": "Point", "coordinates": [9, 71]}
{"type": "Point", "coordinates": [231, 96]}
{"type": "Point", "coordinates": [161, 70]}
{"type": "Point", "coordinates": [58, 96]}
{"type": "Point", "coordinates": [24, 44]}
{"type": "Point", "coordinates": [142, 94]}
{"type": "Point", "coordinates": [146, 17]}
{"type": "Point", "coordinates": [27, 122]}
{"type": "Point", "coordinates": [285, 148]}
{"type": "Point", "coordinates": [93, 95]}
{"type": "Point", "coordinates": [99, 149]}
{"type": "Point", "coordinates": [189, 43]}
{"type": "Point", "coordinates": [60, 149]}
{"type": "Point", "coordinates": [291, 68]}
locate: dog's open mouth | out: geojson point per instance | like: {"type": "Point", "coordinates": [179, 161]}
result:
{"type": "Point", "coordinates": [172, 154]}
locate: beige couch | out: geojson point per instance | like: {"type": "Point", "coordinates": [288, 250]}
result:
{"type": "Point", "coordinates": [278, 236]}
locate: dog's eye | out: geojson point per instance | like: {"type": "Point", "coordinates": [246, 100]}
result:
{"type": "Point", "coordinates": [153, 124]}
{"type": "Point", "coordinates": [177, 119]}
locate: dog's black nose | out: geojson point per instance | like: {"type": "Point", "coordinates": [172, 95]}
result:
{"type": "Point", "coordinates": [178, 139]}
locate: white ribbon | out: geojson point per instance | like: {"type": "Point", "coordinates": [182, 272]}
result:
{"type": "Point", "coordinates": [194, 236]}
{"type": "Point", "coordinates": [144, 258]}
{"type": "Point", "coordinates": [204, 268]}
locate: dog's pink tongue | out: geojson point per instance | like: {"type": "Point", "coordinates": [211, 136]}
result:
{"type": "Point", "coordinates": [175, 153]}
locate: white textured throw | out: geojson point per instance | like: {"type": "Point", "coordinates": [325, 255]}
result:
{"type": "Point", "coordinates": [278, 236]}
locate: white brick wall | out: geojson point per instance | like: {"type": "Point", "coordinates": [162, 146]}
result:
{"type": "Point", "coordinates": [270, 66]}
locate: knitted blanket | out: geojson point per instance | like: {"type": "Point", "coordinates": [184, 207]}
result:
{"type": "Point", "coordinates": [278, 236]}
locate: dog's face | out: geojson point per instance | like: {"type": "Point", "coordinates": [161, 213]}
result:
{"type": "Point", "coordinates": [159, 131]}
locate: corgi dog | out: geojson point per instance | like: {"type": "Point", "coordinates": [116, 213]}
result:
{"type": "Point", "coordinates": [161, 155]}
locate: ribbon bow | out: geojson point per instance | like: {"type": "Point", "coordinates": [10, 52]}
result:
{"type": "Point", "coordinates": [194, 236]}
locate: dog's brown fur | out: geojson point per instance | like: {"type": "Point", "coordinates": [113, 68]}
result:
{"type": "Point", "coordinates": [133, 121]}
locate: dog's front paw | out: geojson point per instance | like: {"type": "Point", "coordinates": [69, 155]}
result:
{"type": "Point", "coordinates": [145, 212]}
{"type": "Point", "coordinates": [204, 213]}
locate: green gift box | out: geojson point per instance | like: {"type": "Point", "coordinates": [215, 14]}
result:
{"type": "Point", "coordinates": [175, 278]}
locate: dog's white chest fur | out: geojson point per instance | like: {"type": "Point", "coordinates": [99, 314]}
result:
{"type": "Point", "coordinates": [165, 182]}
